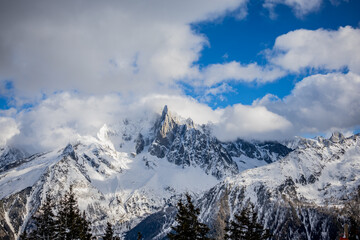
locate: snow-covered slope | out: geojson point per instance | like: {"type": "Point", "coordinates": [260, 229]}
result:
{"type": "Point", "coordinates": [128, 172]}
{"type": "Point", "coordinates": [297, 197]}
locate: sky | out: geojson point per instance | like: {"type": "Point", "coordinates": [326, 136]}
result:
{"type": "Point", "coordinates": [265, 70]}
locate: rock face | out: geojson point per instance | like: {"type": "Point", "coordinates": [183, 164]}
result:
{"type": "Point", "coordinates": [263, 151]}
{"type": "Point", "coordinates": [12, 210]}
{"type": "Point", "coordinates": [129, 172]}
{"type": "Point", "coordinates": [185, 145]}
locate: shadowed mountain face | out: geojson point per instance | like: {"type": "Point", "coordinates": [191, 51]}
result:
{"type": "Point", "coordinates": [185, 144]}
{"type": "Point", "coordinates": [131, 171]}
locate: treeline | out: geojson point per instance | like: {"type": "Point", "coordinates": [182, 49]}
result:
{"type": "Point", "coordinates": [68, 224]}
{"type": "Point", "coordinates": [243, 226]}
{"type": "Point", "coordinates": [71, 224]}
{"type": "Point", "coordinates": [351, 211]}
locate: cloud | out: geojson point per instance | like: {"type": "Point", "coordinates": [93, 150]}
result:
{"type": "Point", "coordinates": [63, 118]}
{"type": "Point", "coordinates": [109, 46]}
{"type": "Point", "coordinates": [186, 107]}
{"type": "Point", "coordinates": [223, 88]}
{"type": "Point", "coordinates": [318, 49]}
{"type": "Point", "coordinates": [251, 122]}
{"type": "Point", "coordinates": [114, 59]}
{"type": "Point", "coordinates": [320, 103]}
{"type": "Point", "coordinates": [67, 117]}
{"type": "Point", "coordinates": [230, 123]}
{"type": "Point", "coordinates": [300, 7]}
{"type": "Point", "coordinates": [8, 129]}
{"type": "Point", "coordinates": [235, 71]}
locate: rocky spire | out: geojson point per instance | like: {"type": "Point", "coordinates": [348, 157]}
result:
{"type": "Point", "coordinates": [337, 137]}
{"type": "Point", "coordinates": [164, 113]}
{"type": "Point", "coordinates": [69, 151]}
{"type": "Point", "coordinates": [164, 124]}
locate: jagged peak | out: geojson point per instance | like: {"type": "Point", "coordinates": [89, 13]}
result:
{"type": "Point", "coordinates": [164, 112]}
{"type": "Point", "coordinates": [337, 137]}
{"type": "Point", "coordinates": [69, 151]}
{"type": "Point", "coordinates": [166, 122]}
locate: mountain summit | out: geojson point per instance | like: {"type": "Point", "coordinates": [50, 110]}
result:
{"type": "Point", "coordinates": [135, 171]}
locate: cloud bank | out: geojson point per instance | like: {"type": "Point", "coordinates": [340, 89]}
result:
{"type": "Point", "coordinates": [318, 49]}
{"type": "Point", "coordinates": [109, 46]}
{"type": "Point", "coordinates": [320, 103]}
{"type": "Point", "coordinates": [94, 65]}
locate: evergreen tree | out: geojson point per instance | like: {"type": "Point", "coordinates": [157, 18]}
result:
{"type": "Point", "coordinates": [352, 210]}
{"type": "Point", "coordinates": [45, 221]}
{"type": "Point", "coordinates": [188, 227]}
{"type": "Point", "coordinates": [71, 224]}
{"type": "Point", "coordinates": [245, 226]}
{"type": "Point", "coordinates": [140, 237]}
{"type": "Point", "coordinates": [85, 229]}
{"type": "Point", "coordinates": [109, 232]}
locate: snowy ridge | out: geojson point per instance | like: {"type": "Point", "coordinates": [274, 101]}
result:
{"type": "Point", "coordinates": [294, 195]}
{"type": "Point", "coordinates": [128, 172]}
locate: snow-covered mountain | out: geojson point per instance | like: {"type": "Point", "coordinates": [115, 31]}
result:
{"type": "Point", "coordinates": [298, 197]}
{"type": "Point", "coordinates": [133, 173]}
{"type": "Point", "coordinates": [128, 172]}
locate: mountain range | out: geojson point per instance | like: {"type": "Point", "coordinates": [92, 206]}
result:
{"type": "Point", "coordinates": [133, 173]}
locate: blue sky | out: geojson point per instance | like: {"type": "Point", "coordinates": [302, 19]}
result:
{"type": "Point", "coordinates": [231, 39]}
{"type": "Point", "coordinates": [270, 69]}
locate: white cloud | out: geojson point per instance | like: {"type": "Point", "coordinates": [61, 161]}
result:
{"type": "Point", "coordinates": [320, 103]}
{"type": "Point", "coordinates": [235, 71]}
{"type": "Point", "coordinates": [238, 121]}
{"type": "Point", "coordinates": [319, 49]}
{"type": "Point", "coordinates": [63, 118]}
{"type": "Point", "coordinates": [8, 129]}
{"type": "Point", "coordinates": [66, 117]}
{"type": "Point", "coordinates": [186, 107]}
{"type": "Point", "coordinates": [137, 50]}
{"type": "Point", "coordinates": [300, 7]}
{"type": "Point", "coordinates": [109, 46]}
{"type": "Point", "coordinates": [251, 122]}
{"type": "Point", "coordinates": [223, 88]}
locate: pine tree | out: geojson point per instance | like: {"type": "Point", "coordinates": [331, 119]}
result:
{"type": "Point", "coordinates": [45, 221]}
{"type": "Point", "coordinates": [236, 229]}
{"type": "Point", "coordinates": [352, 210]}
{"type": "Point", "coordinates": [245, 226]}
{"type": "Point", "coordinates": [188, 227]}
{"type": "Point", "coordinates": [71, 224]}
{"type": "Point", "coordinates": [109, 232]}
{"type": "Point", "coordinates": [85, 228]}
